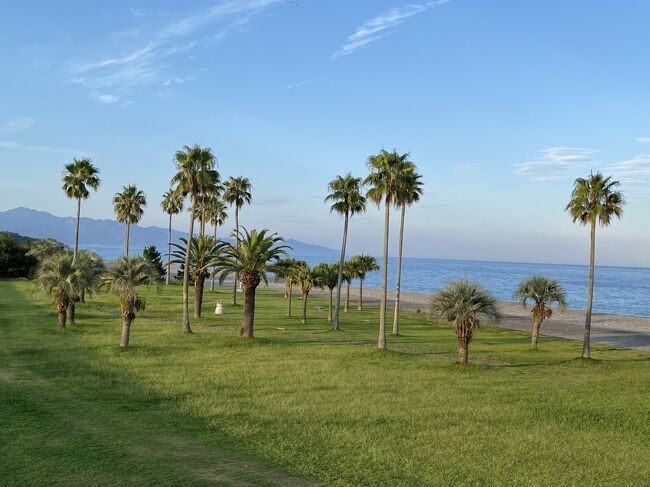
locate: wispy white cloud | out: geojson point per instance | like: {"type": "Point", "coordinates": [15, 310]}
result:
{"type": "Point", "coordinates": [300, 84]}
{"type": "Point", "coordinates": [468, 169]}
{"type": "Point", "coordinates": [635, 170]}
{"type": "Point", "coordinates": [554, 161]}
{"type": "Point", "coordinates": [643, 140]}
{"type": "Point", "coordinates": [8, 144]}
{"type": "Point", "coordinates": [380, 26]}
{"type": "Point", "coordinates": [150, 63]}
{"type": "Point", "coordinates": [16, 125]}
{"type": "Point", "coordinates": [106, 97]}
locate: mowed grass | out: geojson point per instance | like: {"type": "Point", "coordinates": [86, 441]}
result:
{"type": "Point", "coordinates": [300, 404]}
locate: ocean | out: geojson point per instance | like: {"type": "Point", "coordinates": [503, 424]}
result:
{"type": "Point", "coordinates": [618, 290]}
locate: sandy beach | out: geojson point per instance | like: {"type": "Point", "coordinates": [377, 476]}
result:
{"type": "Point", "coordinates": [616, 330]}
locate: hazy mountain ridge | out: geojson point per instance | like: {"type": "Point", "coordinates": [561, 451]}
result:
{"type": "Point", "coordinates": [108, 233]}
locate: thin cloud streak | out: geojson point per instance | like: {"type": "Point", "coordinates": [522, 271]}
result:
{"type": "Point", "coordinates": [635, 170]}
{"type": "Point", "coordinates": [16, 125]}
{"type": "Point", "coordinates": [379, 26]}
{"type": "Point", "coordinates": [148, 65]}
{"type": "Point", "coordinates": [554, 161]}
{"type": "Point", "coordinates": [8, 144]}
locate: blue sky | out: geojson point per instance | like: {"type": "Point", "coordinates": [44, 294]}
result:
{"type": "Point", "coordinates": [500, 103]}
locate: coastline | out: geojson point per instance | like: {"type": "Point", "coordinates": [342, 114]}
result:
{"type": "Point", "coordinates": [612, 329]}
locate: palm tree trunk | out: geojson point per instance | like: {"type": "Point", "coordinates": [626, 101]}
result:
{"type": "Point", "coordinates": [336, 324]}
{"type": "Point", "coordinates": [586, 345]}
{"type": "Point", "coordinates": [213, 276]}
{"type": "Point", "coordinates": [360, 306]}
{"type": "Point", "coordinates": [82, 295]}
{"type": "Point", "coordinates": [186, 275]}
{"type": "Point", "coordinates": [304, 308]}
{"type": "Point", "coordinates": [236, 275]}
{"type": "Point", "coordinates": [199, 282]}
{"type": "Point", "coordinates": [347, 298]}
{"type": "Point", "coordinates": [126, 239]}
{"type": "Point", "coordinates": [126, 332]}
{"type": "Point", "coordinates": [462, 350]}
{"type": "Point", "coordinates": [536, 326]}
{"type": "Point", "coordinates": [169, 251]}
{"type": "Point", "coordinates": [76, 231]}
{"type": "Point", "coordinates": [329, 309]}
{"type": "Point", "coordinates": [249, 313]}
{"type": "Point", "coordinates": [399, 272]}
{"type": "Point", "coordinates": [289, 302]}
{"type": "Point", "coordinates": [70, 312]}
{"type": "Point", "coordinates": [381, 342]}
{"type": "Point", "coordinates": [61, 317]}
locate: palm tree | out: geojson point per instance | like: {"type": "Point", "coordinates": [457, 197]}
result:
{"type": "Point", "coordinates": [129, 208]}
{"type": "Point", "coordinates": [237, 192]}
{"type": "Point", "coordinates": [217, 215]}
{"type": "Point", "coordinates": [348, 274]}
{"type": "Point", "coordinates": [594, 199]}
{"type": "Point", "coordinates": [122, 278]}
{"type": "Point", "coordinates": [346, 198]}
{"type": "Point", "coordinates": [286, 269]}
{"type": "Point", "coordinates": [58, 277]}
{"type": "Point", "coordinates": [465, 303]}
{"type": "Point", "coordinates": [386, 170]}
{"type": "Point", "coordinates": [44, 248]}
{"type": "Point", "coordinates": [255, 255]}
{"type": "Point", "coordinates": [408, 192]}
{"type": "Point", "coordinates": [172, 204]}
{"type": "Point", "coordinates": [543, 292]}
{"type": "Point", "coordinates": [194, 172]}
{"type": "Point", "coordinates": [204, 252]}
{"type": "Point", "coordinates": [307, 278]}
{"type": "Point", "coordinates": [79, 177]}
{"type": "Point", "coordinates": [205, 201]}
{"type": "Point", "coordinates": [90, 265]}
{"type": "Point", "coordinates": [329, 277]}
{"type": "Point", "coordinates": [361, 265]}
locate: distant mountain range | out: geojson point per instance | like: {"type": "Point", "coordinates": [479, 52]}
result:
{"type": "Point", "coordinates": [109, 234]}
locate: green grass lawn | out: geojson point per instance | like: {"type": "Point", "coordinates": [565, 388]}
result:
{"type": "Point", "coordinates": [301, 404]}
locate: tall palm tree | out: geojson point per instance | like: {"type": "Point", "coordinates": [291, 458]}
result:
{"type": "Point", "coordinates": [122, 278]}
{"type": "Point", "coordinates": [346, 198]}
{"type": "Point", "coordinates": [543, 292]}
{"type": "Point", "coordinates": [205, 201]}
{"type": "Point", "coordinates": [408, 192]}
{"type": "Point", "coordinates": [237, 193]}
{"type": "Point", "coordinates": [79, 177]}
{"type": "Point", "coordinates": [386, 170]}
{"type": "Point", "coordinates": [286, 269]}
{"type": "Point", "coordinates": [594, 200]}
{"type": "Point", "coordinates": [129, 208]}
{"type": "Point", "coordinates": [58, 277]}
{"type": "Point", "coordinates": [307, 278]}
{"type": "Point", "coordinates": [257, 253]}
{"type": "Point", "coordinates": [172, 204]}
{"type": "Point", "coordinates": [465, 303]}
{"type": "Point", "coordinates": [194, 172]}
{"type": "Point", "coordinates": [361, 265]}
{"type": "Point", "coordinates": [217, 215]}
{"type": "Point", "coordinates": [204, 253]}
{"type": "Point", "coordinates": [329, 277]}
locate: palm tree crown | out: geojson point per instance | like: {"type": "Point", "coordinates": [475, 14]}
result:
{"type": "Point", "coordinates": [409, 187]}
{"type": "Point", "coordinates": [216, 213]}
{"type": "Point", "coordinates": [595, 199]}
{"type": "Point", "coordinates": [172, 202]}
{"type": "Point", "coordinates": [465, 303]}
{"type": "Point", "coordinates": [194, 170]}
{"type": "Point", "coordinates": [387, 169]}
{"type": "Point", "coordinates": [79, 177]}
{"type": "Point", "coordinates": [129, 204]}
{"type": "Point", "coordinates": [345, 195]}
{"type": "Point", "coordinates": [256, 255]}
{"type": "Point", "coordinates": [237, 191]}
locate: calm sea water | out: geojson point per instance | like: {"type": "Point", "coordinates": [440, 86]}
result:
{"type": "Point", "coordinates": [618, 290]}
